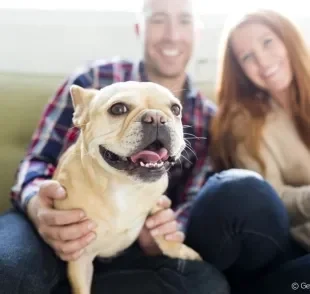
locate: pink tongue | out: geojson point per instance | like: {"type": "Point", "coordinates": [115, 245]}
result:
{"type": "Point", "coordinates": [150, 156]}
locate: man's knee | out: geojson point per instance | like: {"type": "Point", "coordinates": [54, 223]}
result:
{"type": "Point", "coordinates": [205, 278]}
{"type": "Point", "coordinates": [27, 264]}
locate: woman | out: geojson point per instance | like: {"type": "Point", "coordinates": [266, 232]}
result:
{"type": "Point", "coordinates": [262, 125]}
{"type": "Point", "coordinates": [263, 122]}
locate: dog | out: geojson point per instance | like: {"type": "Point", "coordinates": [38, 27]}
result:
{"type": "Point", "coordinates": [130, 134]}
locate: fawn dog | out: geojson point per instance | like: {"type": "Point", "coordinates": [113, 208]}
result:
{"type": "Point", "coordinates": [130, 135]}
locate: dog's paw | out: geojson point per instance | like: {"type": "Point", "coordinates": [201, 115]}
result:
{"type": "Point", "coordinates": [188, 253]}
{"type": "Point", "coordinates": [177, 250]}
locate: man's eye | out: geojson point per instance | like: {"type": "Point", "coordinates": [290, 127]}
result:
{"type": "Point", "coordinates": [157, 21]}
{"type": "Point", "coordinates": [186, 21]}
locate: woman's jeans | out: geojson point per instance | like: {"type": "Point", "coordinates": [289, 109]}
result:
{"type": "Point", "coordinates": [239, 224]}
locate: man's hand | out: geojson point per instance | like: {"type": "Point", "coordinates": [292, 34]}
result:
{"type": "Point", "coordinates": [66, 231]}
{"type": "Point", "coordinates": [162, 223]}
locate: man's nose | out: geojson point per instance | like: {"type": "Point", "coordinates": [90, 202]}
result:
{"type": "Point", "coordinates": [153, 118]}
{"type": "Point", "coordinates": [172, 32]}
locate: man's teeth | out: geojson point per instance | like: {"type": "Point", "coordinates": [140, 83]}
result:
{"type": "Point", "coordinates": [170, 52]}
{"type": "Point", "coordinates": [271, 71]}
{"type": "Point", "coordinates": [152, 164]}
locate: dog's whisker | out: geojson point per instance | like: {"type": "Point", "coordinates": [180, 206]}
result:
{"type": "Point", "coordinates": [189, 134]}
{"type": "Point", "coordinates": [186, 152]}
{"type": "Point", "coordinates": [193, 152]}
{"type": "Point", "coordinates": [179, 160]}
{"type": "Point", "coordinates": [186, 159]}
{"type": "Point", "coordinates": [188, 144]}
{"type": "Point", "coordinates": [189, 147]}
{"type": "Point", "coordinates": [197, 138]}
{"type": "Point", "coordinates": [192, 136]}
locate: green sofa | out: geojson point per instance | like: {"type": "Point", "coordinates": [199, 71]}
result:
{"type": "Point", "coordinates": [23, 97]}
{"type": "Point", "coordinates": [22, 101]}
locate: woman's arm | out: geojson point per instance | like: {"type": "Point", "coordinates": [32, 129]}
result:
{"type": "Point", "coordinates": [296, 199]}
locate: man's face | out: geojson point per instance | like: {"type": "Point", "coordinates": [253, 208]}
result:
{"type": "Point", "coordinates": [168, 36]}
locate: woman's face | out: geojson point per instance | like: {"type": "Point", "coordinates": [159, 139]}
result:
{"type": "Point", "coordinates": [263, 57]}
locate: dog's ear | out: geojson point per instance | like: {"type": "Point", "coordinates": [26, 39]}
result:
{"type": "Point", "coordinates": [81, 98]}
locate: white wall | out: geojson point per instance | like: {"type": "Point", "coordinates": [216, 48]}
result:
{"type": "Point", "coordinates": [56, 42]}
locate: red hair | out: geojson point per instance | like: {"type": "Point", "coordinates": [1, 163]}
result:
{"type": "Point", "coordinates": [238, 96]}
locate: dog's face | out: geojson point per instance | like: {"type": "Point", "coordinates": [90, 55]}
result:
{"type": "Point", "coordinates": [130, 127]}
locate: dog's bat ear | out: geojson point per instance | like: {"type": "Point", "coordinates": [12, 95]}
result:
{"type": "Point", "coordinates": [80, 99]}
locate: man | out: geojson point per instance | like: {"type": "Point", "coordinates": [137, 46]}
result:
{"type": "Point", "coordinates": [32, 257]}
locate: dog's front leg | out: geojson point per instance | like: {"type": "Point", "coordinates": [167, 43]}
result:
{"type": "Point", "coordinates": [174, 249]}
{"type": "Point", "coordinates": [80, 273]}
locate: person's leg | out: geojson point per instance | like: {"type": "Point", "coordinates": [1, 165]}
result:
{"type": "Point", "coordinates": [156, 275]}
{"type": "Point", "coordinates": [135, 273]}
{"type": "Point", "coordinates": [291, 277]}
{"type": "Point", "coordinates": [27, 264]}
{"type": "Point", "coordinates": [239, 224]}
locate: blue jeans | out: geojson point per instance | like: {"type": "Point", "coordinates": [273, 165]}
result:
{"type": "Point", "coordinates": [239, 224]}
{"type": "Point", "coordinates": [29, 266]}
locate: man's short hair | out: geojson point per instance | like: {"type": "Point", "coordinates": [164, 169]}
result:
{"type": "Point", "coordinates": [142, 13]}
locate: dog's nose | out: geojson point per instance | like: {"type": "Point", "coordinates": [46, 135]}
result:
{"type": "Point", "coordinates": [153, 118]}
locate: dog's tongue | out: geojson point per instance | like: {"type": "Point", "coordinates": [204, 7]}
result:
{"type": "Point", "coordinates": [150, 156]}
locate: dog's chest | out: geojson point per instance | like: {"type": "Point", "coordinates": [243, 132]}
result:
{"type": "Point", "coordinates": [116, 236]}
{"type": "Point", "coordinates": [121, 229]}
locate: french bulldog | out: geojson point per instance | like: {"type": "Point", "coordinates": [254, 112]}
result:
{"type": "Point", "coordinates": [130, 134]}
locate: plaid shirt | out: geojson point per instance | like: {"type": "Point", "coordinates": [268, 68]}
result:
{"type": "Point", "coordinates": [55, 133]}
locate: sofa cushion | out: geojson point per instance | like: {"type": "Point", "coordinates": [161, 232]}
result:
{"type": "Point", "coordinates": [23, 98]}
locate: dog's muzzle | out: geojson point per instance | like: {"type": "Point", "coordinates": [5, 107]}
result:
{"type": "Point", "coordinates": [152, 157]}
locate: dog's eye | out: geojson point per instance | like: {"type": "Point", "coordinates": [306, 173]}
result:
{"type": "Point", "coordinates": [176, 109]}
{"type": "Point", "coordinates": [118, 109]}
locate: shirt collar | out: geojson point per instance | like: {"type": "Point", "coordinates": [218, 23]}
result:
{"type": "Point", "coordinates": [189, 92]}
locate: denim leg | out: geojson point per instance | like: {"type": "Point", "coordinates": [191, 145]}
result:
{"type": "Point", "coordinates": [288, 278]}
{"type": "Point", "coordinates": [157, 275]}
{"type": "Point", "coordinates": [238, 223]}
{"type": "Point", "coordinates": [27, 264]}
{"type": "Point", "coordinates": [135, 273]}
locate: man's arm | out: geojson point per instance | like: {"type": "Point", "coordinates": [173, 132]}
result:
{"type": "Point", "coordinates": [53, 135]}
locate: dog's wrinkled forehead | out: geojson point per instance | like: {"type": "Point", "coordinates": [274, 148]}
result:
{"type": "Point", "coordinates": [146, 94]}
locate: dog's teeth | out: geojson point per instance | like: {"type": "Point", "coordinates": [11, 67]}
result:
{"type": "Point", "coordinates": [152, 164]}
